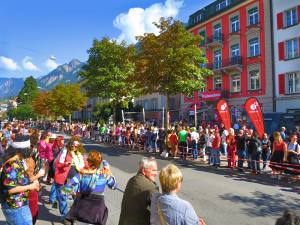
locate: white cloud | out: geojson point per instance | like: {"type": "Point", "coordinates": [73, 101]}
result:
{"type": "Point", "coordinates": [28, 64]}
{"type": "Point", "coordinates": [8, 64]}
{"type": "Point", "coordinates": [51, 63]}
{"type": "Point", "coordinates": [138, 21]}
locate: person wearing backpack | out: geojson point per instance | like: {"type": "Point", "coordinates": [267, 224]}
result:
{"type": "Point", "coordinates": [89, 206]}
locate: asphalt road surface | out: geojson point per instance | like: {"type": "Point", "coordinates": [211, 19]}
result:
{"type": "Point", "coordinates": [220, 196]}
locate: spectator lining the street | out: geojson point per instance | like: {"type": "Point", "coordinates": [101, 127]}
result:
{"type": "Point", "coordinates": [135, 207]}
{"type": "Point", "coordinates": [89, 206]}
{"type": "Point", "coordinates": [168, 208]}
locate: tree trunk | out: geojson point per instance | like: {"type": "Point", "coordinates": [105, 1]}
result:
{"type": "Point", "coordinates": [70, 117]}
{"type": "Point", "coordinates": [115, 114]}
{"type": "Point", "coordinates": [167, 120]}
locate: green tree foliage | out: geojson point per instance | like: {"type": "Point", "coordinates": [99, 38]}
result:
{"type": "Point", "coordinates": [28, 92]}
{"type": "Point", "coordinates": [66, 98]}
{"type": "Point", "coordinates": [22, 112]}
{"type": "Point", "coordinates": [107, 71]}
{"type": "Point", "coordinates": [102, 111]}
{"type": "Point", "coordinates": [169, 63]}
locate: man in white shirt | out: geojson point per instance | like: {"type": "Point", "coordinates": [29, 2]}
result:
{"type": "Point", "coordinates": [195, 140]}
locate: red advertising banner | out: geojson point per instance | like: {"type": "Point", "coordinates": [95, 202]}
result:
{"type": "Point", "coordinates": [224, 113]}
{"type": "Point", "coordinates": [253, 110]}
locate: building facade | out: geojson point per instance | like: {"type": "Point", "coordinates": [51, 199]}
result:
{"type": "Point", "coordinates": [236, 38]}
{"type": "Point", "coordinates": [154, 103]}
{"type": "Point", "coordinates": [286, 33]}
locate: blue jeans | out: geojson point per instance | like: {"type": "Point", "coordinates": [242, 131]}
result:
{"type": "Point", "coordinates": [265, 157]}
{"type": "Point", "coordinates": [19, 216]}
{"type": "Point", "coordinates": [215, 157]}
{"type": "Point", "coordinates": [208, 152]}
{"type": "Point", "coordinates": [241, 157]}
{"type": "Point", "coordinates": [195, 149]}
{"type": "Point", "coordinates": [255, 164]}
{"type": "Point", "coordinates": [224, 148]}
{"type": "Point", "coordinates": [53, 195]}
{"type": "Point", "coordinates": [62, 200]}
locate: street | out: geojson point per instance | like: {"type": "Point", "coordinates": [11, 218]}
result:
{"type": "Point", "coordinates": [218, 195]}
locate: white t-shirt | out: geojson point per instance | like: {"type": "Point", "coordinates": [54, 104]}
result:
{"type": "Point", "coordinates": [195, 136]}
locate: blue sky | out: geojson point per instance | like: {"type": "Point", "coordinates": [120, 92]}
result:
{"type": "Point", "coordinates": [38, 35]}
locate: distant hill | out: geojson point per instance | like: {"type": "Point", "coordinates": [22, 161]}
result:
{"type": "Point", "coordinates": [10, 87]}
{"type": "Point", "coordinates": [66, 73]}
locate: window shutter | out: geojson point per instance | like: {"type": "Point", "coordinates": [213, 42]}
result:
{"type": "Point", "coordinates": [298, 7]}
{"type": "Point", "coordinates": [281, 50]}
{"type": "Point", "coordinates": [281, 79]}
{"type": "Point", "coordinates": [279, 20]}
{"type": "Point", "coordinates": [299, 45]}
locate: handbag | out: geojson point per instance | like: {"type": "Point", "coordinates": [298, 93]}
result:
{"type": "Point", "coordinates": [83, 208]}
{"type": "Point", "coordinates": [160, 214]}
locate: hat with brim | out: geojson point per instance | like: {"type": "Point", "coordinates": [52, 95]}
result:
{"type": "Point", "coordinates": [21, 141]}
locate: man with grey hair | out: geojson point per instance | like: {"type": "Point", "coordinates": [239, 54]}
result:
{"type": "Point", "coordinates": [135, 208]}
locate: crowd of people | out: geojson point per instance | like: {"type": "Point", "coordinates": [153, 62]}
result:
{"type": "Point", "coordinates": [242, 147]}
{"type": "Point", "coordinates": [30, 157]}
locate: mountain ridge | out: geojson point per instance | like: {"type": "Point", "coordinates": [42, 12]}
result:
{"type": "Point", "coordinates": [65, 73]}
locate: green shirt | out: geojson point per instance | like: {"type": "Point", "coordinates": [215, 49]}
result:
{"type": "Point", "coordinates": [102, 130]}
{"type": "Point", "coordinates": [183, 135]}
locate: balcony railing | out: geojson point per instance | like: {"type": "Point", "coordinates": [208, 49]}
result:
{"type": "Point", "coordinates": [215, 39]}
{"type": "Point", "coordinates": [233, 63]}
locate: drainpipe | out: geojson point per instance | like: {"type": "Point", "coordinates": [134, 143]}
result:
{"type": "Point", "coordinates": [273, 58]}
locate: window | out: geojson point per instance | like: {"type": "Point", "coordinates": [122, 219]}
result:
{"type": "Point", "coordinates": [235, 24]}
{"type": "Point", "coordinates": [217, 83]}
{"type": "Point", "coordinates": [253, 16]}
{"type": "Point", "coordinates": [253, 47]}
{"type": "Point", "coordinates": [217, 32]}
{"type": "Point", "coordinates": [203, 64]}
{"type": "Point", "coordinates": [254, 80]}
{"type": "Point", "coordinates": [293, 82]}
{"type": "Point", "coordinates": [217, 59]}
{"type": "Point", "coordinates": [235, 83]}
{"type": "Point", "coordinates": [203, 89]}
{"type": "Point", "coordinates": [235, 50]}
{"type": "Point", "coordinates": [222, 5]}
{"type": "Point", "coordinates": [290, 17]}
{"type": "Point", "coordinates": [198, 18]}
{"type": "Point", "coordinates": [203, 36]}
{"type": "Point", "coordinates": [291, 48]}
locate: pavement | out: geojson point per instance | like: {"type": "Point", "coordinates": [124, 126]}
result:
{"type": "Point", "coordinates": [221, 196]}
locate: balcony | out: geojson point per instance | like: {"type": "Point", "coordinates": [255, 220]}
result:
{"type": "Point", "coordinates": [215, 67]}
{"type": "Point", "coordinates": [232, 64]}
{"type": "Point", "coordinates": [215, 41]}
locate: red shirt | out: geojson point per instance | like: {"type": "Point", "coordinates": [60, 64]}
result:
{"type": "Point", "coordinates": [279, 146]}
{"type": "Point", "coordinates": [216, 141]}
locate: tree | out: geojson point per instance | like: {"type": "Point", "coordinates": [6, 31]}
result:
{"type": "Point", "coordinates": [169, 63]}
{"type": "Point", "coordinates": [22, 112]}
{"type": "Point", "coordinates": [63, 99]}
{"type": "Point", "coordinates": [41, 104]}
{"type": "Point", "coordinates": [102, 111]}
{"type": "Point", "coordinates": [107, 71]}
{"type": "Point", "coordinates": [28, 92]}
